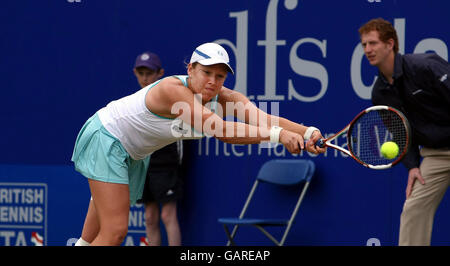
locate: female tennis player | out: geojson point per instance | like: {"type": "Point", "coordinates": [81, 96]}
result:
{"type": "Point", "coordinates": [113, 147]}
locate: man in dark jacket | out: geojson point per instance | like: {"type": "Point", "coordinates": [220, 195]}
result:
{"type": "Point", "coordinates": [419, 86]}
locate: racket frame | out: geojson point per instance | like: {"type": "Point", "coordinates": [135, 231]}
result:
{"type": "Point", "coordinates": [327, 141]}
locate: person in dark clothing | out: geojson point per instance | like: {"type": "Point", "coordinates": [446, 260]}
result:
{"type": "Point", "coordinates": [163, 185]}
{"type": "Point", "coordinates": [419, 86]}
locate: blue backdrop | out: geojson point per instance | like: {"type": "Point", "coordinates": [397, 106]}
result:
{"type": "Point", "coordinates": [62, 60]}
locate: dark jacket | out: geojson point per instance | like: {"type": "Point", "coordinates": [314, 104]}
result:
{"type": "Point", "coordinates": [421, 90]}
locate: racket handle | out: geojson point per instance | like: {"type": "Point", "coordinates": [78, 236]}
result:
{"type": "Point", "coordinates": [320, 143]}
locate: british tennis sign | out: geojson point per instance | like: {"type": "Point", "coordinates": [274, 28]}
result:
{"type": "Point", "coordinates": [23, 214]}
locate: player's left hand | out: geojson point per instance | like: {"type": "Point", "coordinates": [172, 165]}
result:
{"type": "Point", "coordinates": [292, 141]}
{"type": "Point", "coordinates": [310, 144]}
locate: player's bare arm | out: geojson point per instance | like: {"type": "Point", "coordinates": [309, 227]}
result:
{"type": "Point", "coordinates": [246, 111]}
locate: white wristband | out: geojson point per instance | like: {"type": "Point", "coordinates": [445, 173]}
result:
{"type": "Point", "coordinates": [82, 242]}
{"type": "Point", "coordinates": [309, 131]}
{"type": "Point", "coordinates": [275, 134]}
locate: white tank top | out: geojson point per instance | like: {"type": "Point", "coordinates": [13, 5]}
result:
{"type": "Point", "coordinates": [140, 131]}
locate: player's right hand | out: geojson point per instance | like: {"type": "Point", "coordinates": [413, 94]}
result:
{"type": "Point", "coordinates": [311, 143]}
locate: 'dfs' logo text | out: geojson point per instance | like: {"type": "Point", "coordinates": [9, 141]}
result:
{"type": "Point", "coordinates": [23, 214]}
{"type": "Point", "coordinates": [315, 67]}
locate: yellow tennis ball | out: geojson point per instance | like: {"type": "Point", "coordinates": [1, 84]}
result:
{"type": "Point", "coordinates": [389, 150]}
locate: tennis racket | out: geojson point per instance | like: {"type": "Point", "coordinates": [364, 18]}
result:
{"type": "Point", "coordinates": [368, 131]}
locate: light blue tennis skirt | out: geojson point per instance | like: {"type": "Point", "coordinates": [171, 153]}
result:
{"type": "Point", "coordinates": [100, 156]}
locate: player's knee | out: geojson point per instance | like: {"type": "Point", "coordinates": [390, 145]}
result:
{"type": "Point", "coordinates": [118, 239]}
{"type": "Point", "coordinates": [118, 234]}
{"type": "Point", "coordinates": [115, 232]}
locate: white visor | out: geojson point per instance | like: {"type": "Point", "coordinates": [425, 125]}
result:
{"type": "Point", "coordinates": [210, 54]}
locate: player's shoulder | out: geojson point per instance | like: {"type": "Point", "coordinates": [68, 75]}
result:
{"type": "Point", "coordinates": [171, 81]}
{"type": "Point", "coordinates": [171, 86]}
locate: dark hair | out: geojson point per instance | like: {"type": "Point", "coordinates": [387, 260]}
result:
{"type": "Point", "coordinates": [384, 29]}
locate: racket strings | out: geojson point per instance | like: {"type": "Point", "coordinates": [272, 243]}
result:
{"type": "Point", "coordinates": [374, 128]}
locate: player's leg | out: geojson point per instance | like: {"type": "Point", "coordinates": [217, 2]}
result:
{"type": "Point", "coordinates": [416, 222]}
{"type": "Point", "coordinates": [152, 223]}
{"type": "Point", "coordinates": [91, 226]}
{"type": "Point", "coordinates": [170, 220]}
{"type": "Point", "coordinates": [112, 204]}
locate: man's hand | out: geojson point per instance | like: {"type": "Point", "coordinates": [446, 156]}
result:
{"type": "Point", "coordinates": [414, 173]}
